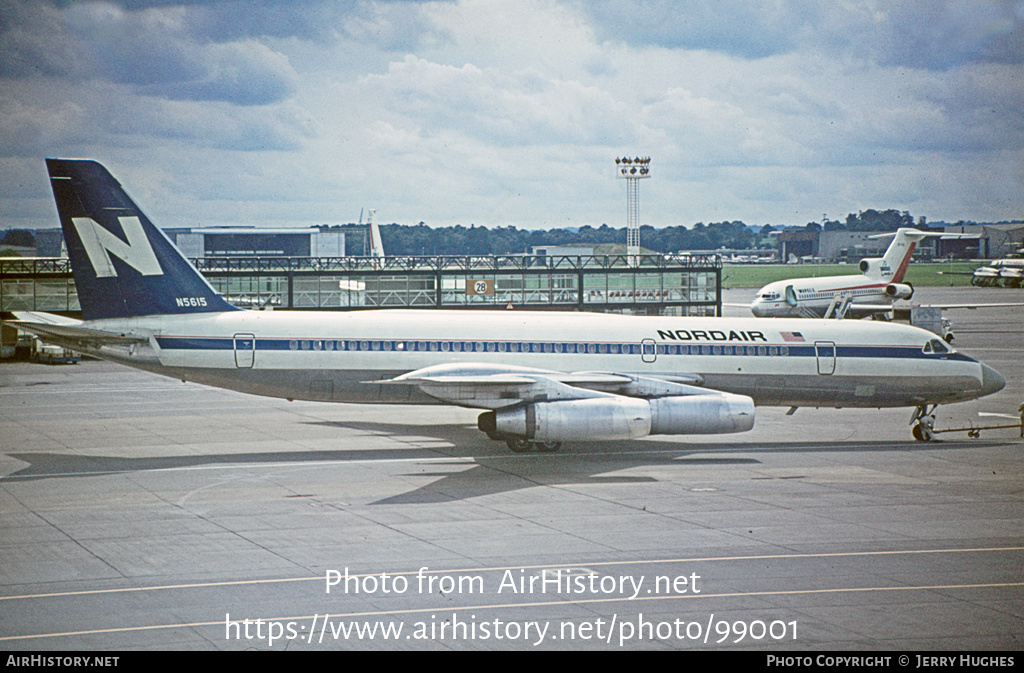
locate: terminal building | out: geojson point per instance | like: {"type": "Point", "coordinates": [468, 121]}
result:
{"type": "Point", "coordinates": [254, 242]}
{"type": "Point", "coordinates": [989, 241]}
{"type": "Point", "coordinates": [315, 269]}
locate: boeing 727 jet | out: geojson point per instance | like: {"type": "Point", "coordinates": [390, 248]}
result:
{"type": "Point", "coordinates": [872, 292]}
{"type": "Point", "coordinates": [538, 378]}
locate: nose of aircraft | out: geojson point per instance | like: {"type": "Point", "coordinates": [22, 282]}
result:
{"type": "Point", "coordinates": [991, 381]}
{"type": "Point", "coordinates": [757, 309]}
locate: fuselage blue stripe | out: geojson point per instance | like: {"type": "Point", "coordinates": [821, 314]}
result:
{"type": "Point", "coordinates": [556, 348]}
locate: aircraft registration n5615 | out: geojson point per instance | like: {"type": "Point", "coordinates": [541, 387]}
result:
{"type": "Point", "coordinates": [539, 378]}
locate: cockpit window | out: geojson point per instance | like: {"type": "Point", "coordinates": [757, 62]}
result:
{"type": "Point", "coordinates": [937, 346]}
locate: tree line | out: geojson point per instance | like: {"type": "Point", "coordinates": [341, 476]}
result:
{"type": "Point", "coordinates": [420, 239]}
{"type": "Point", "coordinates": [473, 240]}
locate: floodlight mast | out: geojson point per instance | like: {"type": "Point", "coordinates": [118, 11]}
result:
{"type": "Point", "coordinates": [633, 170]}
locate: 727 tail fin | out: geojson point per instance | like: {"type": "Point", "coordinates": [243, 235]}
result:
{"type": "Point", "coordinates": [123, 265]}
{"type": "Point", "coordinates": [892, 266]}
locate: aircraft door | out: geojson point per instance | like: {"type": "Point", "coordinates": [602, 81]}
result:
{"type": "Point", "coordinates": [245, 350]}
{"type": "Point", "coordinates": [790, 295]}
{"type": "Point", "coordinates": [826, 354]}
{"type": "Point", "coordinates": [648, 350]}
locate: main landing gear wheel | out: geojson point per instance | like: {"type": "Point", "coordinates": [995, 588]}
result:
{"type": "Point", "coordinates": [522, 445]}
{"type": "Point", "coordinates": [519, 444]}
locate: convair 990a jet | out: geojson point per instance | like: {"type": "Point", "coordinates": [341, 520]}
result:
{"type": "Point", "coordinates": [539, 378]}
{"type": "Point", "coordinates": [874, 291]}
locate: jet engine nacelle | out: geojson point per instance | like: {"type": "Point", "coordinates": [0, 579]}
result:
{"type": "Point", "coordinates": [609, 418]}
{"type": "Point", "coordinates": [899, 290]}
{"type": "Point", "coordinates": [586, 419]}
{"type": "Point", "coordinates": [701, 414]}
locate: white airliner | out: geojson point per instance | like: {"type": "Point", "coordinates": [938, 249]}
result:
{"type": "Point", "coordinates": [1009, 271]}
{"type": "Point", "coordinates": [873, 291]}
{"type": "Point", "coordinates": [539, 378]}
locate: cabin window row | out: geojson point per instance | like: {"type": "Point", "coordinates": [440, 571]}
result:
{"type": "Point", "coordinates": [536, 347]}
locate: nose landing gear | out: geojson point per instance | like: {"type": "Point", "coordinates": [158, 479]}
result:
{"type": "Point", "coordinates": [923, 421]}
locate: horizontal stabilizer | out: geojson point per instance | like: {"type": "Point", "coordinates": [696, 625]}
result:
{"type": "Point", "coordinates": [68, 332]}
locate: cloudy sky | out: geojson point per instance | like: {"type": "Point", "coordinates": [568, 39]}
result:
{"type": "Point", "coordinates": [512, 112]}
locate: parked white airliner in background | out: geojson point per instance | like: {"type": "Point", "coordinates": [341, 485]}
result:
{"type": "Point", "coordinates": [873, 291]}
{"type": "Point", "coordinates": [1009, 271]}
{"type": "Point", "coordinates": [540, 378]}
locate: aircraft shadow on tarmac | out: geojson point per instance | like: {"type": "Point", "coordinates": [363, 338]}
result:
{"type": "Point", "coordinates": [494, 469]}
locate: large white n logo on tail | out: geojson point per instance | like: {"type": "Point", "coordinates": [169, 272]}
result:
{"type": "Point", "coordinates": [100, 244]}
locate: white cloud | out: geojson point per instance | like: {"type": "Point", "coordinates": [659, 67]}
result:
{"type": "Point", "coordinates": [518, 108]}
{"type": "Point", "coordinates": [510, 112]}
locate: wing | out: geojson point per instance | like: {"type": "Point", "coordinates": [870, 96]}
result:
{"type": "Point", "coordinates": [537, 405]}
{"type": "Point", "coordinates": [490, 387]}
{"type": "Point", "coordinates": [972, 306]}
{"type": "Point", "coordinates": [70, 333]}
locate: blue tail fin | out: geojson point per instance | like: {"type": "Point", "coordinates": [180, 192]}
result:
{"type": "Point", "coordinates": [123, 265]}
